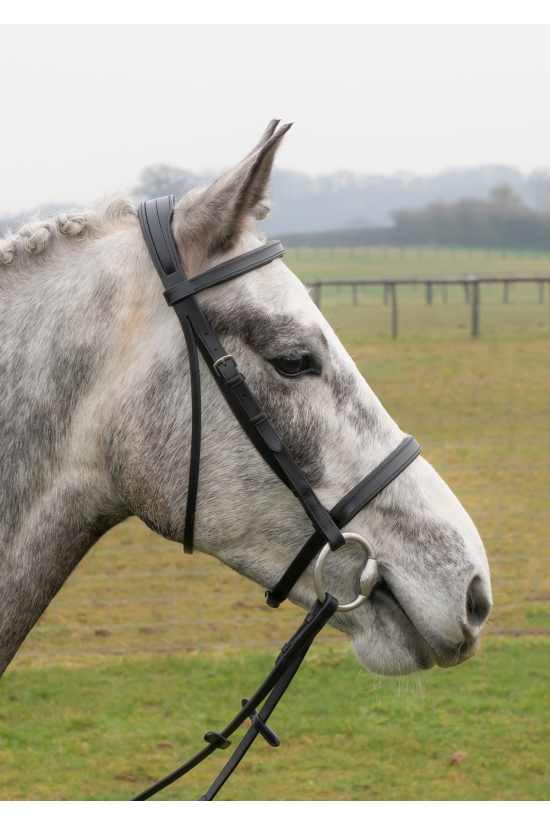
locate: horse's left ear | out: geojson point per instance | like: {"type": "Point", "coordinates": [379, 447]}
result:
{"type": "Point", "coordinates": [209, 221]}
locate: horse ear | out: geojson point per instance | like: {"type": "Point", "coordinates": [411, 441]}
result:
{"type": "Point", "coordinates": [208, 222]}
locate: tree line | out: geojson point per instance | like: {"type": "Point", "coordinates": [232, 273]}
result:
{"type": "Point", "coordinates": [491, 206]}
{"type": "Point", "coordinates": [501, 221]}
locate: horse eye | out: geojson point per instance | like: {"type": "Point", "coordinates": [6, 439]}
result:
{"type": "Point", "coordinates": [292, 364]}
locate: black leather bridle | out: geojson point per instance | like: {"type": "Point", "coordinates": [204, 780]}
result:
{"type": "Point", "coordinates": [156, 223]}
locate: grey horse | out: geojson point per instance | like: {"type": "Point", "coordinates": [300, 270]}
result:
{"type": "Point", "coordinates": [95, 414]}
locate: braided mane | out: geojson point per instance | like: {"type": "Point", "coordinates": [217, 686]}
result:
{"type": "Point", "coordinates": [43, 234]}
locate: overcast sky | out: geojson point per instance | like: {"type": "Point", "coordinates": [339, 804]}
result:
{"type": "Point", "coordinates": [85, 108]}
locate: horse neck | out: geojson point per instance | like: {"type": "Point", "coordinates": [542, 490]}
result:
{"type": "Point", "coordinates": [56, 496]}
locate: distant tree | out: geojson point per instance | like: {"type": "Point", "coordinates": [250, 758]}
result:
{"type": "Point", "coordinates": [505, 198]}
{"type": "Point", "coordinates": [502, 221]}
{"type": "Point", "coordinates": [540, 188]}
{"type": "Point", "coordinates": [344, 199]}
{"type": "Point", "coordinates": [160, 179]}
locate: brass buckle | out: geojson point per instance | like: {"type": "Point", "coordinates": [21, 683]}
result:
{"type": "Point", "coordinates": [222, 360]}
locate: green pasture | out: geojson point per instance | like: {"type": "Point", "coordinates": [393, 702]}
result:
{"type": "Point", "coordinates": [110, 685]}
{"type": "Point", "coordinates": [107, 728]}
{"type": "Point", "coordinates": [409, 262]}
{"type": "Point", "coordinates": [519, 308]}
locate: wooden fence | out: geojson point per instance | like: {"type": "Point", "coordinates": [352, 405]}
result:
{"type": "Point", "coordinates": [470, 284]}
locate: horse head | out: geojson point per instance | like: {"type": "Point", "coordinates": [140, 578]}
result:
{"type": "Point", "coordinates": [98, 373]}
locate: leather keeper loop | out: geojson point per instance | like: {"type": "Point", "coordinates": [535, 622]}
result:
{"type": "Point", "coordinates": [217, 739]}
{"type": "Point", "coordinates": [177, 293]}
{"type": "Point", "coordinates": [235, 381]}
{"type": "Point", "coordinates": [258, 419]}
{"type": "Point", "coordinates": [263, 729]}
{"type": "Point", "coordinates": [271, 600]}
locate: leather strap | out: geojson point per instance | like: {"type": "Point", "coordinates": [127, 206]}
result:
{"type": "Point", "coordinates": [155, 220]}
{"type": "Point", "coordinates": [254, 420]}
{"type": "Point", "coordinates": [155, 217]}
{"type": "Point", "coordinates": [258, 722]}
{"type": "Point", "coordinates": [226, 271]}
{"type": "Point", "coordinates": [346, 509]}
{"type": "Point", "coordinates": [194, 465]}
{"type": "Point", "coordinates": [274, 686]}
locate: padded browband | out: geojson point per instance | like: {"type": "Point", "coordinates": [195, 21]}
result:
{"type": "Point", "coordinates": [226, 272]}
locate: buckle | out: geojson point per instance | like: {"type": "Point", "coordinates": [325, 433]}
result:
{"type": "Point", "coordinates": [222, 360]}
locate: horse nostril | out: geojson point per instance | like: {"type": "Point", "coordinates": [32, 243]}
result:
{"type": "Point", "coordinates": [478, 606]}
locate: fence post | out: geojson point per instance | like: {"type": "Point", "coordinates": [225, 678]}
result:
{"type": "Point", "coordinates": [428, 292]}
{"type": "Point", "coordinates": [475, 309]}
{"type": "Point", "coordinates": [393, 310]}
{"type": "Point", "coordinates": [354, 294]}
{"type": "Point", "coordinates": [505, 292]}
{"type": "Point", "coordinates": [541, 292]}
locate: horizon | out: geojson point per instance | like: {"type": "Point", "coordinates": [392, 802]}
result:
{"type": "Point", "coordinates": [84, 114]}
{"type": "Point", "coordinates": [403, 176]}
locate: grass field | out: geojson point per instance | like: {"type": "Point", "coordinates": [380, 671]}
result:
{"type": "Point", "coordinates": [480, 408]}
{"type": "Point", "coordinates": [109, 727]}
{"type": "Point", "coordinates": [520, 306]}
{"type": "Point", "coordinates": [380, 262]}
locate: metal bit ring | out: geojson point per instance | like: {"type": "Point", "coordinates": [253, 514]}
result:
{"type": "Point", "coordinates": [369, 574]}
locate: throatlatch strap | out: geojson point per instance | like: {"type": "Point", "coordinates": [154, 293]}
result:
{"type": "Point", "coordinates": [195, 459]}
{"type": "Point", "coordinates": [155, 219]}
